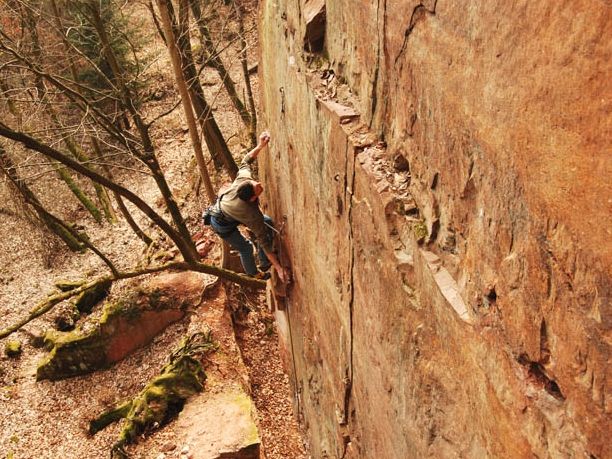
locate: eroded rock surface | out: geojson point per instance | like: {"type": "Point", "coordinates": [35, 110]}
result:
{"type": "Point", "coordinates": [455, 303]}
{"type": "Point", "coordinates": [221, 426]}
{"type": "Point", "coordinates": [220, 422]}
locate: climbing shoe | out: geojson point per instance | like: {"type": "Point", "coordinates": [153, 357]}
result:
{"type": "Point", "coordinates": [262, 276]}
{"type": "Point", "coordinates": [265, 267]}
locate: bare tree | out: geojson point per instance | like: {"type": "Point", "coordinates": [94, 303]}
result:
{"type": "Point", "coordinates": [245, 69]}
{"type": "Point", "coordinates": [30, 19]}
{"type": "Point", "coordinates": [213, 137]}
{"type": "Point", "coordinates": [73, 146]}
{"type": "Point", "coordinates": [128, 102]}
{"type": "Point", "coordinates": [185, 97]}
{"type": "Point", "coordinates": [81, 122]}
{"type": "Point", "coordinates": [122, 207]}
{"type": "Point", "coordinates": [54, 224]}
{"type": "Point", "coordinates": [190, 263]}
{"type": "Point", "coordinates": [213, 59]}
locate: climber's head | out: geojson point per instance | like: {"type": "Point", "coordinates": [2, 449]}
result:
{"type": "Point", "coordinates": [250, 191]}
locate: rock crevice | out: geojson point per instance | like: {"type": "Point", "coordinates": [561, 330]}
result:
{"type": "Point", "coordinates": [418, 14]}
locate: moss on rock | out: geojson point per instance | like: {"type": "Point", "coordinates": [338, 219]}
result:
{"type": "Point", "coordinates": [164, 396]}
{"type": "Point", "coordinates": [88, 299]}
{"type": "Point", "coordinates": [12, 348]}
{"type": "Point", "coordinates": [126, 324]}
{"type": "Point", "coordinates": [419, 229]}
{"type": "Point", "coordinates": [73, 354]}
{"type": "Point", "coordinates": [67, 285]}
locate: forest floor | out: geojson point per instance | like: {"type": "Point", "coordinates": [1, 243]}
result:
{"type": "Point", "coordinates": [50, 419]}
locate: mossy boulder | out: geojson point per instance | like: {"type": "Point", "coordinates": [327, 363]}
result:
{"type": "Point", "coordinates": [12, 348]}
{"type": "Point", "coordinates": [72, 354]}
{"type": "Point", "coordinates": [127, 323]}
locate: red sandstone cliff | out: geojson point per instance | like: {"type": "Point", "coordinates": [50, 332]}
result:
{"type": "Point", "coordinates": [444, 170]}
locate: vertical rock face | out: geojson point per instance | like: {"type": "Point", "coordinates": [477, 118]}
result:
{"type": "Point", "coordinates": [443, 169]}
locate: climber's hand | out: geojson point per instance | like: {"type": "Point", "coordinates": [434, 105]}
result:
{"type": "Point", "coordinates": [264, 138]}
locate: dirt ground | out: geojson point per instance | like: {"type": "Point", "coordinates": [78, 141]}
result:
{"type": "Point", "coordinates": [256, 335]}
{"type": "Point", "coordinates": [50, 419]}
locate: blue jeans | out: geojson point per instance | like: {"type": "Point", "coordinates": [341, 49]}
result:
{"type": "Point", "coordinates": [230, 234]}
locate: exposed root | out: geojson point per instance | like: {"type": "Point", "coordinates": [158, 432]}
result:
{"type": "Point", "coordinates": [164, 396]}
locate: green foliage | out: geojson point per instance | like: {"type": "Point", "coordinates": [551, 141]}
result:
{"type": "Point", "coordinates": [124, 41]}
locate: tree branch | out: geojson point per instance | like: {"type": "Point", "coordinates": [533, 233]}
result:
{"type": "Point", "coordinates": [33, 144]}
{"type": "Point", "coordinates": [52, 300]}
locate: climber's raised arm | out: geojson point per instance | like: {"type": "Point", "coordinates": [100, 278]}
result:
{"type": "Point", "coordinates": [251, 156]}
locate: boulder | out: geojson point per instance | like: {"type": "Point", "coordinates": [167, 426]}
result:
{"type": "Point", "coordinates": [127, 323]}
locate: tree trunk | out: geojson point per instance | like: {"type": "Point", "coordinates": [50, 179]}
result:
{"type": "Point", "coordinates": [122, 207]}
{"type": "Point", "coordinates": [77, 152]}
{"type": "Point", "coordinates": [148, 157]}
{"type": "Point", "coordinates": [246, 74]}
{"type": "Point", "coordinates": [75, 240]}
{"type": "Point", "coordinates": [41, 95]}
{"type": "Point", "coordinates": [156, 21]}
{"type": "Point", "coordinates": [58, 23]}
{"type": "Point", "coordinates": [101, 192]}
{"type": "Point", "coordinates": [185, 98]}
{"type": "Point", "coordinates": [186, 247]}
{"type": "Point", "coordinates": [215, 61]}
{"type": "Point", "coordinates": [80, 195]}
{"type": "Point", "coordinates": [212, 134]}
{"type": "Point", "coordinates": [59, 229]}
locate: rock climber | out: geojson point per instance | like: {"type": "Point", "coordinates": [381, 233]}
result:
{"type": "Point", "coordinates": [239, 205]}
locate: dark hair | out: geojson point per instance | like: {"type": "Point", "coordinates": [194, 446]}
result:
{"type": "Point", "coordinates": [246, 191]}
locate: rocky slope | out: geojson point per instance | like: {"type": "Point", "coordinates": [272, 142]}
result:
{"type": "Point", "coordinates": [442, 171]}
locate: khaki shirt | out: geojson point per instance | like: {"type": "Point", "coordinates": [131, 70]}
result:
{"type": "Point", "coordinates": [246, 213]}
